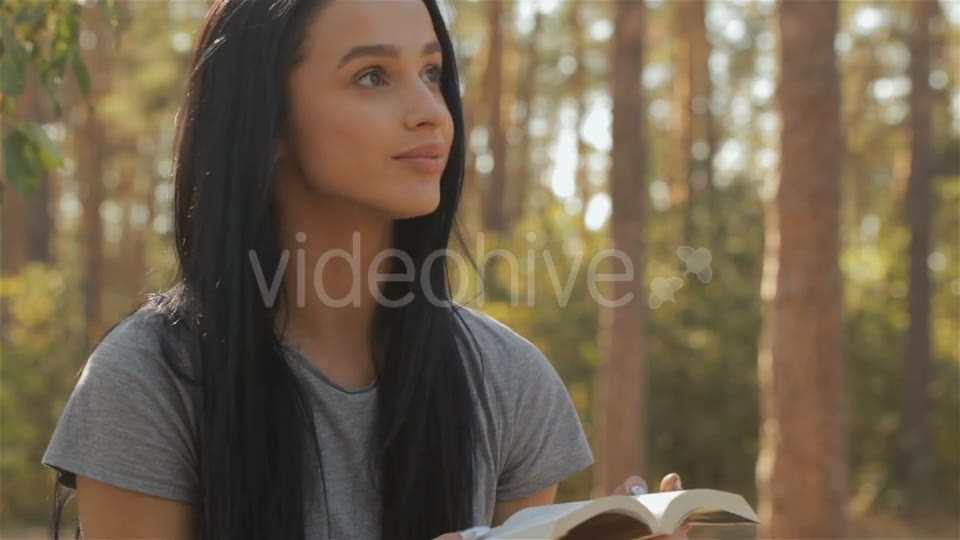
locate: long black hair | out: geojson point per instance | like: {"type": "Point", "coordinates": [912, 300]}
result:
{"type": "Point", "coordinates": [257, 442]}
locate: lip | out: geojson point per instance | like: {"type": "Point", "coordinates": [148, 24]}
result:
{"type": "Point", "coordinates": [424, 165]}
{"type": "Point", "coordinates": [434, 149]}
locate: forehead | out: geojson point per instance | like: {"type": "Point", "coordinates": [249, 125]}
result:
{"type": "Point", "coordinates": [343, 24]}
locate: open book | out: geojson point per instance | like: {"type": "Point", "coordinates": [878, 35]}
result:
{"type": "Point", "coordinates": [625, 517]}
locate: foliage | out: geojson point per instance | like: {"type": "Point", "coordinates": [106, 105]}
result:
{"type": "Point", "coordinates": [39, 39]}
{"type": "Point", "coordinates": [40, 352]}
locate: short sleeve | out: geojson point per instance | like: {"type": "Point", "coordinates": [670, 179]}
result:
{"type": "Point", "coordinates": [127, 421]}
{"type": "Point", "coordinates": [543, 438]}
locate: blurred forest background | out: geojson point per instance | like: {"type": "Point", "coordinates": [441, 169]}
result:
{"type": "Point", "coordinates": [812, 147]}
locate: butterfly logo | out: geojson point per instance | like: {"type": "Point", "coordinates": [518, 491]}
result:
{"type": "Point", "coordinates": [662, 289]}
{"type": "Point", "coordinates": [697, 261]}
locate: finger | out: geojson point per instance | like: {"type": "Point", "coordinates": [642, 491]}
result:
{"type": "Point", "coordinates": [449, 536]}
{"type": "Point", "coordinates": [624, 488]}
{"type": "Point", "coordinates": [671, 482]}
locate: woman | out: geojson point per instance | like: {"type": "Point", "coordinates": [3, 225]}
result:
{"type": "Point", "coordinates": [244, 403]}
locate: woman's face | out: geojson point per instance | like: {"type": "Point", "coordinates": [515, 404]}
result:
{"type": "Point", "coordinates": [368, 123]}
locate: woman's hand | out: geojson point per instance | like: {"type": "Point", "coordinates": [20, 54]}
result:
{"type": "Point", "coordinates": [670, 482]}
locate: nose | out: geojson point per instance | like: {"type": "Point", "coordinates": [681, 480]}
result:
{"type": "Point", "coordinates": [425, 107]}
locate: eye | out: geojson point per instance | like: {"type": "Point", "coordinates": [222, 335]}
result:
{"type": "Point", "coordinates": [374, 76]}
{"type": "Point", "coordinates": [432, 73]}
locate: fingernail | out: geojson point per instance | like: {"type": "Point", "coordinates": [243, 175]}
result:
{"type": "Point", "coordinates": [638, 490]}
{"type": "Point", "coordinates": [679, 484]}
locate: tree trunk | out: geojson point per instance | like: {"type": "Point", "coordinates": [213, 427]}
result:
{"type": "Point", "coordinates": [39, 226]}
{"type": "Point", "coordinates": [802, 468]}
{"type": "Point", "coordinates": [692, 121]}
{"type": "Point", "coordinates": [90, 145]}
{"type": "Point", "coordinates": [494, 211]}
{"type": "Point", "coordinates": [473, 100]}
{"type": "Point", "coordinates": [682, 117]}
{"type": "Point", "coordinates": [622, 412]}
{"type": "Point", "coordinates": [916, 455]}
{"type": "Point", "coordinates": [525, 92]}
{"type": "Point", "coordinates": [13, 237]}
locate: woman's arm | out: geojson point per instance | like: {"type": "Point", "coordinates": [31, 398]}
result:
{"type": "Point", "coordinates": [504, 509]}
{"type": "Point", "coordinates": [107, 511]}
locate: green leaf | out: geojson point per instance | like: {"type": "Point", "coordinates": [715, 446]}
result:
{"type": "Point", "coordinates": [21, 161]}
{"type": "Point", "coordinates": [13, 63]}
{"type": "Point", "coordinates": [111, 12]}
{"type": "Point", "coordinates": [47, 151]}
{"type": "Point", "coordinates": [80, 70]}
{"type": "Point", "coordinates": [64, 42]}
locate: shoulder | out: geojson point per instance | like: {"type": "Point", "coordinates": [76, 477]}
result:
{"type": "Point", "coordinates": [540, 439]}
{"type": "Point", "coordinates": [141, 354]}
{"type": "Point", "coordinates": [514, 368]}
{"type": "Point", "coordinates": [490, 332]}
{"type": "Point", "coordinates": [142, 329]}
{"type": "Point", "coordinates": [502, 348]}
{"type": "Point", "coordinates": [129, 420]}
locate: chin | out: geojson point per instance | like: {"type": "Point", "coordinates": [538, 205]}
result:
{"type": "Point", "coordinates": [405, 200]}
{"type": "Point", "coordinates": [411, 208]}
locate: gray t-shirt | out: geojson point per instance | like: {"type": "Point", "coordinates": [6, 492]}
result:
{"type": "Point", "coordinates": [129, 422]}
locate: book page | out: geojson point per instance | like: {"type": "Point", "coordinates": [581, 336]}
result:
{"type": "Point", "coordinates": [596, 519]}
{"type": "Point", "coordinates": [619, 517]}
{"type": "Point", "coordinates": [707, 506]}
{"type": "Point", "coordinates": [537, 515]}
{"type": "Point", "coordinates": [551, 512]}
{"type": "Point", "coordinates": [657, 503]}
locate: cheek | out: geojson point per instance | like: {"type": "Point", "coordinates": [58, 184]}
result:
{"type": "Point", "coordinates": [338, 146]}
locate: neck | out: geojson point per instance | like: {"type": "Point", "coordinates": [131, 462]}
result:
{"type": "Point", "coordinates": [329, 302]}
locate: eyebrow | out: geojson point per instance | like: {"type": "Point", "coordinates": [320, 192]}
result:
{"type": "Point", "coordinates": [383, 50]}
